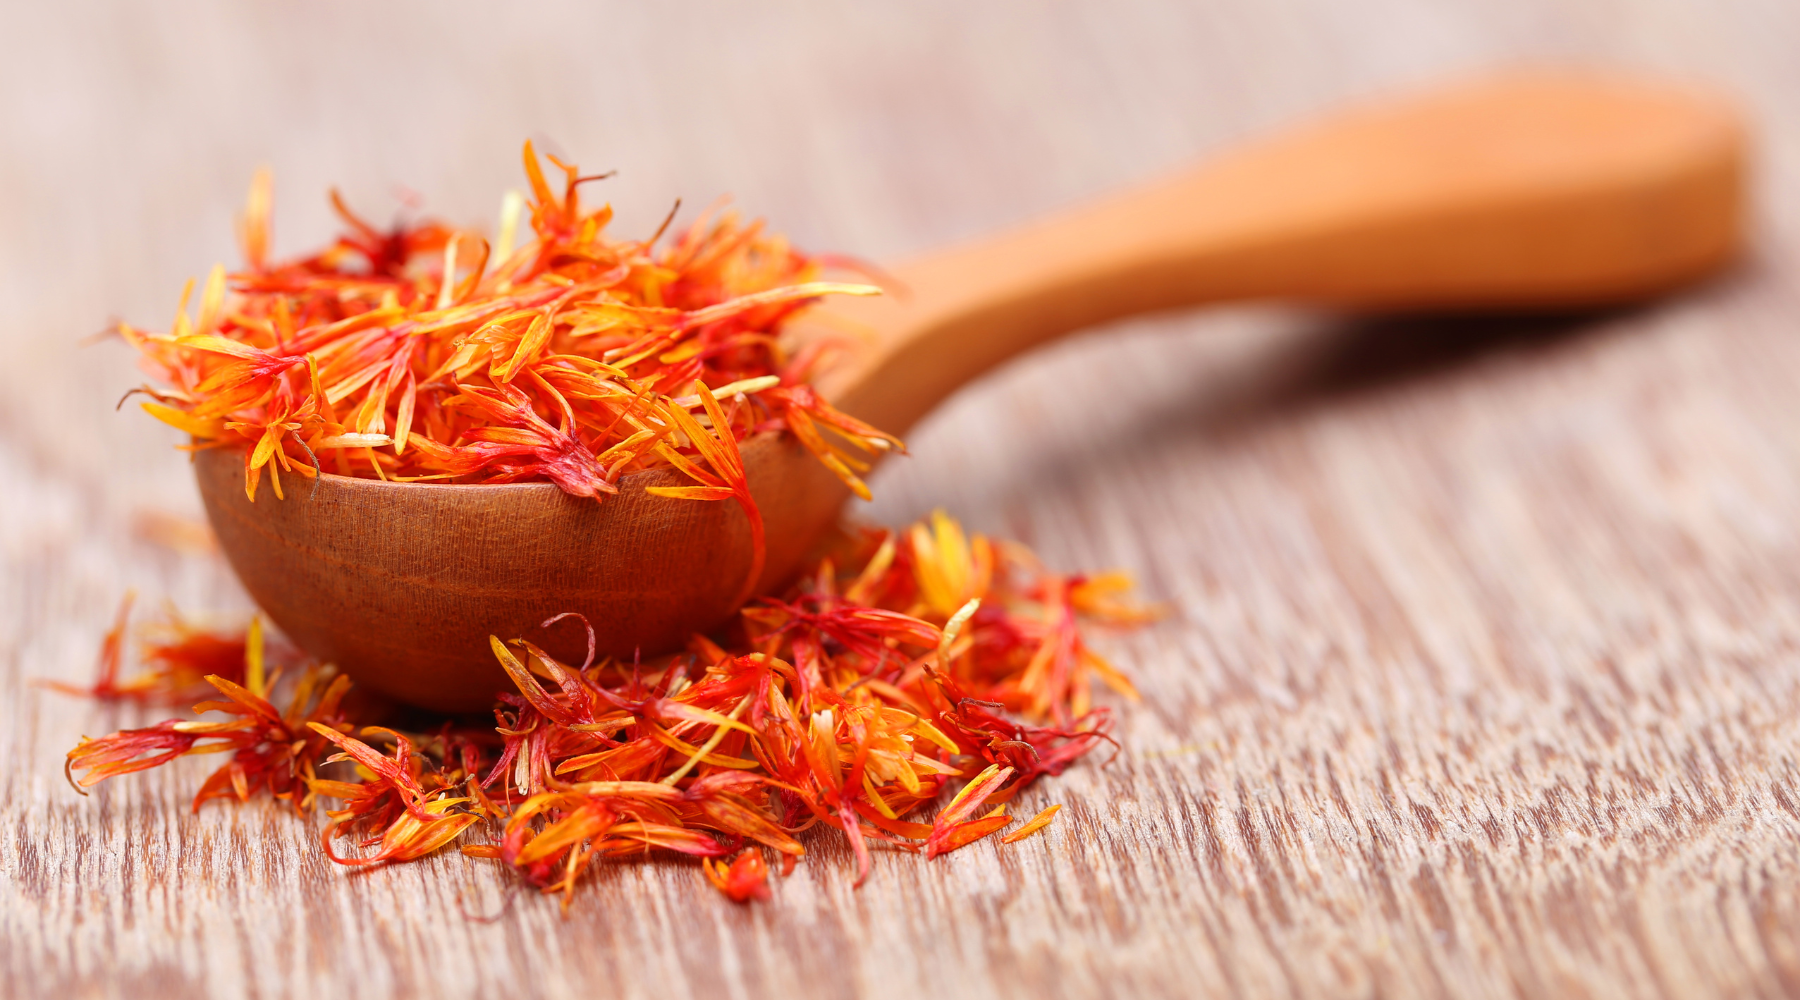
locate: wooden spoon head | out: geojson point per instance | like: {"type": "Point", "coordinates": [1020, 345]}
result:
{"type": "Point", "coordinates": [400, 584]}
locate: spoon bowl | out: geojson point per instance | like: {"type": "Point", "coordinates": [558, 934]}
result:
{"type": "Point", "coordinates": [402, 583]}
{"type": "Point", "coordinates": [1534, 191]}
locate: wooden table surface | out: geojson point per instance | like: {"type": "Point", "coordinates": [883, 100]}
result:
{"type": "Point", "coordinates": [1483, 672]}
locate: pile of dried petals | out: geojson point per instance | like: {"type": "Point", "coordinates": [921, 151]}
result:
{"type": "Point", "coordinates": [900, 663]}
{"type": "Point", "coordinates": [425, 353]}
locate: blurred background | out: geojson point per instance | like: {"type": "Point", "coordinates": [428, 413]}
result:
{"type": "Point", "coordinates": [129, 132]}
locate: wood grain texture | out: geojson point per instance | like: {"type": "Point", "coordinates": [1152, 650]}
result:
{"type": "Point", "coordinates": [1483, 676]}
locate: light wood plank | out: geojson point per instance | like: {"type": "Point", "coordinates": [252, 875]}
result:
{"type": "Point", "coordinates": [1483, 676]}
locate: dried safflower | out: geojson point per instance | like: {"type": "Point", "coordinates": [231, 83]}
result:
{"type": "Point", "coordinates": [269, 749]}
{"type": "Point", "coordinates": [746, 878]}
{"type": "Point", "coordinates": [1032, 825]}
{"type": "Point", "coordinates": [953, 828]}
{"type": "Point", "coordinates": [178, 657]}
{"type": "Point", "coordinates": [851, 703]}
{"type": "Point", "coordinates": [898, 665]}
{"type": "Point", "coordinates": [106, 685]}
{"type": "Point", "coordinates": [427, 353]}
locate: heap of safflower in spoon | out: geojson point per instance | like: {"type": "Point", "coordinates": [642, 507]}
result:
{"type": "Point", "coordinates": [425, 353]}
{"type": "Point", "coordinates": [900, 663]}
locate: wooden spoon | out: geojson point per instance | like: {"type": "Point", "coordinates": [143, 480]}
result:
{"type": "Point", "coordinates": [1521, 192]}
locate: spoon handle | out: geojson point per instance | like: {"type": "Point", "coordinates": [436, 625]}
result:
{"type": "Point", "coordinates": [1524, 191]}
